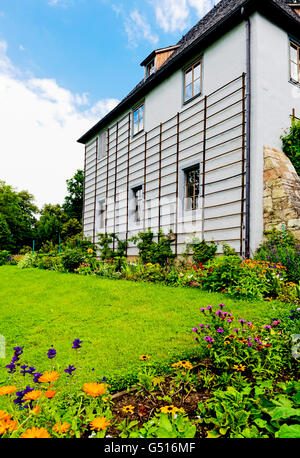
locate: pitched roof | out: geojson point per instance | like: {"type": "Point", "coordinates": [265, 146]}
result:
{"type": "Point", "coordinates": [216, 22]}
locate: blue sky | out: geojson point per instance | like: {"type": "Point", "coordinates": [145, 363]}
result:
{"type": "Point", "coordinates": [63, 65]}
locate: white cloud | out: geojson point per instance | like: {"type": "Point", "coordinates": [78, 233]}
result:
{"type": "Point", "coordinates": [136, 26]}
{"type": "Point", "coordinates": [40, 123]}
{"type": "Point", "coordinates": [174, 15]}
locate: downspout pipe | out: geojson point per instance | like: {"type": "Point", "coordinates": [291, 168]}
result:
{"type": "Point", "coordinates": [248, 129]}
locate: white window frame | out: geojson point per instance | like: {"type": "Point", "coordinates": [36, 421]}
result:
{"type": "Point", "coordinates": [138, 110]}
{"type": "Point", "coordinates": [185, 86]}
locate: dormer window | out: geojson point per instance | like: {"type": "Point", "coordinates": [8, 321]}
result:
{"type": "Point", "coordinates": [150, 68]}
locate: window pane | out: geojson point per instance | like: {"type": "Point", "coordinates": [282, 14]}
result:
{"type": "Point", "coordinates": [189, 92]}
{"type": "Point", "coordinates": [294, 53]}
{"type": "Point", "coordinates": [141, 118]}
{"type": "Point", "coordinates": [197, 71]}
{"type": "Point", "coordinates": [197, 87]}
{"type": "Point", "coordinates": [294, 72]}
{"type": "Point", "coordinates": [188, 77]}
{"type": "Point", "coordinates": [136, 121]}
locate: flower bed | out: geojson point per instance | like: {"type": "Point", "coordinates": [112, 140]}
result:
{"type": "Point", "coordinates": [241, 383]}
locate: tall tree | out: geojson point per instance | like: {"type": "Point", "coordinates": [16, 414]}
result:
{"type": "Point", "coordinates": [74, 200]}
{"type": "Point", "coordinates": [17, 218]}
{"type": "Point", "coordinates": [50, 224]}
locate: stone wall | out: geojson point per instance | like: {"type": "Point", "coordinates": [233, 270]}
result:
{"type": "Point", "coordinates": [281, 200]}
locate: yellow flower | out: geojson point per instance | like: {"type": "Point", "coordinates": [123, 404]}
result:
{"type": "Point", "coordinates": [187, 365]}
{"type": "Point", "coordinates": [236, 367]}
{"type": "Point", "coordinates": [128, 409]}
{"type": "Point", "coordinates": [90, 251]}
{"type": "Point", "coordinates": [242, 368]}
{"type": "Point", "coordinates": [61, 428]}
{"type": "Point", "coordinates": [4, 415]}
{"type": "Point", "coordinates": [32, 395]}
{"type": "Point", "coordinates": [168, 409]}
{"type": "Point", "coordinates": [144, 357]}
{"type": "Point", "coordinates": [7, 424]}
{"type": "Point", "coordinates": [226, 342]}
{"type": "Point", "coordinates": [7, 389]}
{"type": "Point", "coordinates": [50, 394]}
{"type": "Point", "coordinates": [40, 433]}
{"type": "Point", "coordinates": [94, 389]}
{"type": "Point", "coordinates": [49, 377]}
{"type": "Point", "coordinates": [99, 423]}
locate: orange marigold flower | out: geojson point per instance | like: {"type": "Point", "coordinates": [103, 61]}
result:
{"type": "Point", "coordinates": [144, 357]}
{"type": "Point", "coordinates": [50, 394]}
{"type": "Point", "coordinates": [49, 377]}
{"type": "Point", "coordinates": [94, 389]}
{"type": "Point", "coordinates": [7, 390]}
{"type": "Point", "coordinates": [4, 415]}
{"type": "Point", "coordinates": [99, 423]}
{"type": "Point", "coordinates": [226, 342]}
{"type": "Point", "coordinates": [36, 410]}
{"type": "Point", "coordinates": [32, 395]}
{"type": "Point", "coordinates": [61, 428]}
{"type": "Point", "coordinates": [38, 433]}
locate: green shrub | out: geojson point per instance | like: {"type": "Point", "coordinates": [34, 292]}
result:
{"type": "Point", "coordinates": [106, 243]}
{"type": "Point", "coordinates": [291, 144]}
{"type": "Point", "coordinates": [49, 263]}
{"type": "Point", "coordinates": [29, 260]}
{"type": "Point", "coordinates": [4, 255]}
{"type": "Point", "coordinates": [153, 252]}
{"type": "Point", "coordinates": [71, 259]}
{"type": "Point", "coordinates": [281, 248]}
{"type": "Point", "coordinates": [222, 272]}
{"type": "Point", "coordinates": [201, 251]}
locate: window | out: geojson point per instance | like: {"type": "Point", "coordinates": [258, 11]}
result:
{"type": "Point", "coordinates": [150, 68]}
{"type": "Point", "coordinates": [101, 214]}
{"type": "Point", "coordinates": [294, 62]}
{"type": "Point", "coordinates": [192, 81]}
{"type": "Point", "coordinates": [192, 187]}
{"type": "Point", "coordinates": [138, 201]}
{"type": "Point", "coordinates": [138, 119]}
{"type": "Point", "coordinates": [102, 147]}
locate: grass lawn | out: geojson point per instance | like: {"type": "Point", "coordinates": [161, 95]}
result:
{"type": "Point", "coordinates": [117, 320]}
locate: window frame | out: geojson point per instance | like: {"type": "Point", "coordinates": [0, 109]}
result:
{"type": "Point", "coordinates": [195, 197]}
{"type": "Point", "coordinates": [137, 108]}
{"type": "Point", "coordinates": [293, 43]}
{"type": "Point", "coordinates": [102, 153]}
{"type": "Point", "coordinates": [191, 67]}
{"type": "Point", "coordinates": [137, 210]}
{"type": "Point", "coordinates": [148, 69]}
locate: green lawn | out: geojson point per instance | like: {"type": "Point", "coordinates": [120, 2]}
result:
{"type": "Point", "coordinates": [116, 320]}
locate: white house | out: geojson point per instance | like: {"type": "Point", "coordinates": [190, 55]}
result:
{"type": "Point", "coordinates": [184, 151]}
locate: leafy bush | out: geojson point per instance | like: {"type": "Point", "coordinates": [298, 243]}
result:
{"type": "Point", "coordinates": [107, 251]}
{"type": "Point", "coordinates": [153, 252]}
{"type": "Point", "coordinates": [28, 260]}
{"type": "Point", "coordinates": [71, 259]}
{"type": "Point", "coordinates": [283, 249]}
{"type": "Point", "coordinates": [221, 272]}
{"type": "Point", "coordinates": [4, 255]}
{"type": "Point", "coordinates": [49, 263]}
{"type": "Point", "coordinates": [201, 251]}
{"type": "Point", "coordinates": [291, 144]}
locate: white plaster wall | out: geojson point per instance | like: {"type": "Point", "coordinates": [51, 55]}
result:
{"type": "Point", "coordinates": [273, 98]}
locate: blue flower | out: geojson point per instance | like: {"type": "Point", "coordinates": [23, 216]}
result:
{"type": "Point", "coordinates": [51, 353]}
{"type": "Point", "coordinates": [70, 369]}
{"type": "Point", "coordinates": [77, 344]}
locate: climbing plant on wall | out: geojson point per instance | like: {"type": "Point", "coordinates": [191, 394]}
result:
{"type": "Point", "coordinates": [291, 144]}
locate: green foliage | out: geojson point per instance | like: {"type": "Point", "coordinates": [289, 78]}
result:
{"type": "Point", "coordinates": [291, 144]}
{"type": "Point", "coordinates": [155, 252]}
{"type": "Point", "coordinates": [221, 273]}
{"type": "Point", "coordinates": [73, 203]}
{"type": "Point", "coordinates": [4, 255]}
{"type": "Point", "coordinates": [17, 218]}
{"type": "Point", "coordinates": [71, 259]}
{"type": "Point", "coordinates": [50, 223]}
{"type": "Point", "coordinates": [106, 242]}
{"type": "Point", "coordinates": [283, 249]}
{"type": "Point", "coordinates": [201, 251]}
{"type": "Point", "coordinates": [28, 261]}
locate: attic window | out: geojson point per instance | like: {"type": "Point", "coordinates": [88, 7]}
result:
{"type": "Point", "coordinates": [294, 62]}
{"type": "Point", "coordinates": [138, 119]}
{"type": "Point", "coordinates": [150, 68]}
{"type": "Point", "coordinates": [192, 81]}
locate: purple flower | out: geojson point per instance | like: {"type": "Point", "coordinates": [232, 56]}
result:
{"type": "Point", "coordinates": [229, 320]}
{"type": "Point", "coordinates": [104, 379]}
{"type": "Point", "coordinates": [268, 327]}
{"type": "Point", "coordinates": [209, 307]}
{"type": "Point", "coordinates": [18, 351]}
{"type": "Point", "coordinates": [77, 344]}
{"type": "Point", "coordinates": [242, 321]}
{"type": "Point", "coordinates": [202, 310]}
{"type": "Point", "coordinates": [249, 344]}
{"type": "Point", "coordinates": [195, 329]}
{"type": "Point", "coordinates": [249, 323]}
{"type": "Point", "coordinates": [219, 312]}
{"type": "Point", "coordinates": [221, 305]}
{"type": "Point", "coordinates": [30, 370]}
{"type": "Point", "coordinates": [235, 330]}
{"type": "Point", "coordinates": [70, 369]}
{"type": "Point", "coordinates": [23, 371]}
{"type": "Point", "coordinates": [11, 368]}
{"type": "Point", "coordinates": [201, 326]}
{"type": "Point", "coordinates": [20, 394]}
{"type": "Point", "coordinates": [220, 330]}
{"type": "Point", "coordinates": [36, 377]}
{"type": "Point", "coordinates": [51, 353]}
{"type": "Point", "coordinates": [208, 339]}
